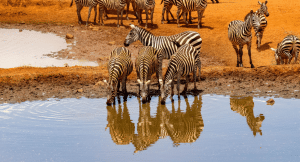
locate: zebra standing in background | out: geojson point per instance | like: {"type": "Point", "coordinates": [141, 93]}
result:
{"type": "Point", "coordinates": [287, 49]}
{"type": "Point", "coordinates": [167, 6]}
{"type": "Point", "coordinates": [260, 21]}
{"type": "Point", "coordinates": [144, 5]}
{"type": "Point", "coordinates": [148, 62]}
{"type": "Point", "coordinates": [119, 67]}
{"type": "Point", "coordinates": [183, 62]}
{"type": "Point", "coordinates": [86, 3]}
{"type": "Point", "coordinates": [163, 42]}
{"type": "Point", "coordinates": [118, 5]}
{"type": "Point", "coordinates": [191, 5]}
{"type": "Point", "coordinates": [239, 33]}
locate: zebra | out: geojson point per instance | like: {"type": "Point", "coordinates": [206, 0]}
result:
{"type": "Point", "coordinates": [183, 62]}
{"type": "Point", "coordinates": [287, 49]}
{"type": "Point", "coordinates": [86, 3]}
{"type": "Point", "coordinates": [144, 5]}
{"type": "Point", "coordinates": [239, 33]}
{"type": "Point", "coordinates": [148, 62]}
{"type": "Point", "coordinates": [119, 67]}
{"type": "Point", "coordinates": [167, 6]}
{"type": "Point", "coordinates": [118, 5]}
{"type": "Point", "coordinates": [191, 5]}
{"type": "Point", "coordinates": [215, 0]}
{"type": "Point", "coordinates": [163, 42]}
{"type": "Point", "coordinates": [260, 21]}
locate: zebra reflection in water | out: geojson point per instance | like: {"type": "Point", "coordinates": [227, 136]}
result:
{"type": "Point", "coordinates": [244, 106]}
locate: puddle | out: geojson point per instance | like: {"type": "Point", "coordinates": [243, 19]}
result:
{"type": "Point", "coordinates": [30, 48]}
{"type": "Point", "coordinates": [201, 128]}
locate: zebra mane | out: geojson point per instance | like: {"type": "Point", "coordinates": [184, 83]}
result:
{"type": "Point", "coordinates": [143, 30]}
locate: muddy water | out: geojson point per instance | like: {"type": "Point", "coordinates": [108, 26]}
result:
{"type": "Point", "coordinates": [201, 128]}
{"type": "Point", "coordinates": [31, 48]}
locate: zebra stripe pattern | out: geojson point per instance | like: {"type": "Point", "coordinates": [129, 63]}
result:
{"type": "Point", "coordinates": [145, 5]}
{"type": "Point", "coordinates": [260, 21]}
{"type": "Point", "coordinates": [287, 49]}
{"type": "Point", "coordinates": [148, 62]}
{"type": "Point", "coordinates": [119, 67]}
{"type": "Point", "coordinates": [118, 5]}
{"type": "Point", "coordinates": [239, 33]}
{"type": "Point", "coordinates": [191, 5]}
{"type": "Point", "coordinates": [183, 62]}
{"type": "Point", "coordinates": [163, 42]}
{"type": "Point", "coordinates": [86, 3]}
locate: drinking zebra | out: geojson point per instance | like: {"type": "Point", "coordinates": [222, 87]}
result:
{"type": "Point", "coordinates": [119, 67]}
{"type": "Point", "coordinates": [191, 5]}
{"type": "Point", "coordinates": [86, 3]}
{"type": "Point", "coordinates": [183, 62]}
{"type": "Point", "coordinates": [260, 21]}
{"type": "Point", "coordinates": [287, 49]}
{"type": "Point", "coordinates": [118, 5]}
{"type": "Point", "coordinates": [147, 5]}
{"type": "Point", "coordinates": [239, 33]}
{"type": "Point", "coordinates": [148, 62]}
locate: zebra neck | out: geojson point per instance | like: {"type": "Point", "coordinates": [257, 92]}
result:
{"type": "Point", "coordinates": [146, 37]}
{"type": "Point", "coordinates": [248, 24]}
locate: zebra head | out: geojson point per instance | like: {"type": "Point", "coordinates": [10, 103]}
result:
{"type": "Point", "coordinates": [277, 59]}
{"type": "Point", "coordinates": [144, 87]}
{"type": "Point", "coordinates": [263, 8]}
{"type": "Point", "coordinates": [164, 91]}
{"type": "Point", "coordinates": [110, 92]}
{"type": "Point", "coordinates": [132, 36]}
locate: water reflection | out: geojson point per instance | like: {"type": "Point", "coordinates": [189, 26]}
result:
{"type": "Point", "coordinates": [244, 106]}
{"type": "Point", "coordinates": [180, 126]}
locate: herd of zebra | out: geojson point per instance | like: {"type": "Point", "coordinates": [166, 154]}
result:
{"type": "Point", "coordinates": [186, 6]}
{"type": "Point", "coordinates": [183, 51]}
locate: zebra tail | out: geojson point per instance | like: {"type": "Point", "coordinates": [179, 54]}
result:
{"type": "Point", "coordinates": [71, 3]}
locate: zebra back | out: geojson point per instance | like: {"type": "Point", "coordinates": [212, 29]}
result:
{"type": "Point", "coordinates": [112, 4]}
{"type": "Point", "coordinates": [143, 4]}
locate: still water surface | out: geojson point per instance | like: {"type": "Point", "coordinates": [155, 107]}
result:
{"type": "Point", "coordinates": [206, 128]}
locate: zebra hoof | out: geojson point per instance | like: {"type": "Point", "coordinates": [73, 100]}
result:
{"type": "Point", "coordinates": [252, 66]}
{"type": "Point", "coordinates": [162, 22]}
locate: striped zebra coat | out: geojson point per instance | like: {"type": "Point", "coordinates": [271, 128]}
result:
{"type": "Point", "coordinates": [118, 5]}
{"type": "Point", "coordinates": [191, 5]}
{"type": "Point", "coordinates": [239, 33]}
{"type": "Point", "coordinates": [259, 21]}
{"type": "Point", "coordinates": [182, 63]}
{"type": "Point", "coordinates": [148, 62]}
{"type": "Point", "coordinates": [86, 3]}
{"type": "Point", "coordinates": [147, 5]}
{"type": "Point", "coordinates": [119, 67]}
{"type": "Point", "coordinates": [167, 6]}
{"type": "Point", "coordinates": [287, 50]}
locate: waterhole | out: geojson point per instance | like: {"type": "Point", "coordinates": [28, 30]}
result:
{"type": "Point", "coordinates": [195, 128]}
{"type": "Point", "coordinates": [32, 48]}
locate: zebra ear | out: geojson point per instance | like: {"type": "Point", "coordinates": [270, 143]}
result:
{"type": "Point", "coordinates": [259, 2]}
{"type": "Point", "coordinates": [132, 26]}
{"type": "Point", "coordinates": [266, 2]}
{"type": "Point", "coordinates": [273, 49]}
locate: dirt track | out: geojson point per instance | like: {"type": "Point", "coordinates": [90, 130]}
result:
{"type": "Point", "coordinates": [219, 74]}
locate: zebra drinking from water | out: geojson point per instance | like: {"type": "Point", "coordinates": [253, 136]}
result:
{"type": "Point", "coordinates": [119, 67]}
{"type": "Point", "coordinates": [260, 21]}
{"type": "Point", "coordinates": [147, 5]}
{"type": "Point", "coordinates": [191, 5]}
{"type": "Point", "coordinates": [86, 3]}
{"type": "Point", "coordinates": [118, 5]}
{"type": "Point", "coordinates": [287, 49]}
{"type": "Point", "coordinates": [239, 33]}
{"type": "Point", "coordinates": [183, 62]}
{"type": "Point", "coordinates": [148, 62]}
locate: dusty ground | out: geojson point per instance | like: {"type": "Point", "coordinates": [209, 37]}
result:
{"type": "Point", "coordinates": [219, 74]}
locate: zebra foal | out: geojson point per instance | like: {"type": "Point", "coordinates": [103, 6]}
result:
{"type": "Point", "coordinates": [287, 49]}
{"type": "Point", "coordinates": [147, 5]}
{"type": "Point", "coordinates": [118, 5]}
{"type": "Point", "coordinates": [183, 62]}
{"type": "Point", "coordinates": [148, 62]}
{"type": "Point", "coordinates": [86, 3]}
{"type": "Point", "coordinates": [239, 33]}
{"type": "Point", "coordinates": [191, 5]}
{"type": "Point", "coordinates": [119, 67]}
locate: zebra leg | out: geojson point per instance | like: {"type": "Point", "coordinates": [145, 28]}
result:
{"type": "Point", "coordinates": [118, 86]}
{"type": "Point", "coordinates": [237, 55]}
{"type": "Point", "coordinates": [289, 56]}
{"type": "Point", "coordinates": [152, 11]}
{"type": "Point", "coordinates": [79, 8]}
{"type": "Point", "coordinates": [95, 10]}
{"type": "Point", "coordinates": [180, 71]}
{"type": "Point", "coordinates": [212, 1]}
{"type": "Point", "coordinates": [87, 21]}
{"type": "Point", "coordinates": [100, 16]}
{"type": "Point", "coordinates": [122, 17]}
{"type": "Point", "coordinates": [124, 84]}
{"type": "Point", "coordinates": [178, 12]}
{"type": "Point", "coordinates": [146, 10]}
{"type": "Point", "coordinates": [195, 76]}
{"type": "Point", "coordinates": [163, 14]}
{"type": "Point", "coordinates": [187, 80]}
{"type": "Point", "coordinates": [172, 90]}
{"type": "Point", "coordinates": [199, 18]}
{"type": "Point", "coordinates": [249, 53]}
{"type": "Point", "coordinates": [199, 72]}
{"type": "Point", "coordinates": [127, 9]}
{"type": "Point", "coordinates": [184, 16]}
{"type": "Point", "coordinates": [190, 17]}
{"type": "Point", "coordinates": [241, 55]}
